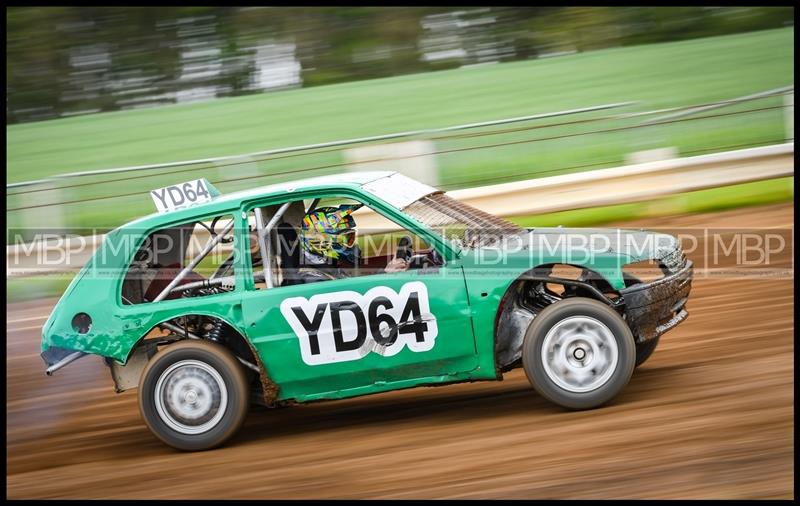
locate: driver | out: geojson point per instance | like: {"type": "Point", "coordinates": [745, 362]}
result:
{"type": "Point", "coordinates": [328, 236]}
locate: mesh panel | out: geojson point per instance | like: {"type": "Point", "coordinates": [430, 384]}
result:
{"type": "Point", "coordinates": [457, 221]}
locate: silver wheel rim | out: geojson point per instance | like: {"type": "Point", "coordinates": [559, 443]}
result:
{"type": "Point", "coordinates": [191, 397]}
{"type": "Point", "coordinates": [580, 354]}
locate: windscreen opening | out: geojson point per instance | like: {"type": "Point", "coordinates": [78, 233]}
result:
{"type": "Point", "coordinates": [460, 223]}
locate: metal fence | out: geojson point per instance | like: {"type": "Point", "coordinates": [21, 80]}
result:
{"type": "Point", "coordinates": [465, 155]}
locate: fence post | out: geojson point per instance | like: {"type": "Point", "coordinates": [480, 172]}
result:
{"type": "Point", "coordinates": [239, 166]}
{"type": "Point", "coordinates": [415, 159]}
{"type": "Point", "coordinates": [49, 218]}
{"type": "Point", "coordinates": [788, 102]}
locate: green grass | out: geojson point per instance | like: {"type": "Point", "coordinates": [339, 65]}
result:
{"type": "Point", "coordinates": [657, 76]}
{"type": "Point", "coordinates": [716, 199]}
{"type": "Point", "coordinates": [36, 287]}
{"type": "Point", "coordinates": [770, 191]}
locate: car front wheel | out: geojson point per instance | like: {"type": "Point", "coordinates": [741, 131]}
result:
{"type": "Point", "coordinates": [644, 350]}
{"type": "Point", "coordinates": [193, 395]}
{"type": "Point", "coordinates": [578, 353]}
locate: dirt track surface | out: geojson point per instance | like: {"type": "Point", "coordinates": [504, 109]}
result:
{"type": "Point", "coordinates": [710, 415]}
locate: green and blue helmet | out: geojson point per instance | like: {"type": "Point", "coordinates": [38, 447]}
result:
{"type": "Point", "coordinates": [330, 232]}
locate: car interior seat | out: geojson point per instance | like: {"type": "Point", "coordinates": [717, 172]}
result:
{"type": "Point", "coordinates": [288, 243]}
{"type": "Point", "coordinates": [285, 242]}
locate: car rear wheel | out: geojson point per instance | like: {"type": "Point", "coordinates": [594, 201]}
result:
{"type": "Point", "coordinates": [193, 395]}
{"type": "Point", "coordinates": [578, 353]}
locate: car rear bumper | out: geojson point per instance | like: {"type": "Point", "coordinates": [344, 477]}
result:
{"type": "Point", "coordinates": [654, 308]}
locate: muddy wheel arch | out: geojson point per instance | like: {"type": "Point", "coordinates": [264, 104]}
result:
{"type": "Point", "coordinates": [126, 375]}
{"type": "Point", "coordinates": [531, 292]}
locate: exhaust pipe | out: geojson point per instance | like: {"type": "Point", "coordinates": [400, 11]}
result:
{"type": "Point", "coordinates": [65, 361]}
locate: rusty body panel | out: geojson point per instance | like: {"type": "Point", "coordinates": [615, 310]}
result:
{"type": "Point", "coordinates": [654, 308]}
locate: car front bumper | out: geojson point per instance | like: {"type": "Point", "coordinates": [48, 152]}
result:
{"type": "Point", "coordinates": [654, 308]}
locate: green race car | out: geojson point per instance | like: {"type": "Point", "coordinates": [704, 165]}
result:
{"type": "Point", "coordinates": [217, 301]}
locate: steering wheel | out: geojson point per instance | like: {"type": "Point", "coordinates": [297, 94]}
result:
{"type": "Point", "coordinates": [436, 258]}
{"type": "Point", "coordinates": [213, 232]}
{"type": "Point", "coordinates": [405, 251]}
{"type": "Point", "coordinates": [404, 248]}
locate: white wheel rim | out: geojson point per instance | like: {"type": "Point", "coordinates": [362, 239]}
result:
{"type": "Point", "coordinates": [580, 354]}
{"type": "Point", "coordinates": [191, 397]}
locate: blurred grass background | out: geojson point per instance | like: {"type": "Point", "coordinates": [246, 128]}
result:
{"type": "Point", "coordinates": [656, 76]}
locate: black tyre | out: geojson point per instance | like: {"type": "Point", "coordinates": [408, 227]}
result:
{"type": "Point", "coordinates": [644, 350]}
{"type": "Point", "coordinates": [578, 353]}
{"type": "Point", "coordinates": [193, 395]}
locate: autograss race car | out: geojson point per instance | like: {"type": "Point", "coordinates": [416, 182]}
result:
{"type": "Point", "coordinates": [342, 286]}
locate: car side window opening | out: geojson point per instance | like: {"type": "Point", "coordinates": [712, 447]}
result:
{"type": "Point", "coordinates": [328, 238]}
{"type": "Point", "coordinates": [192, 259]}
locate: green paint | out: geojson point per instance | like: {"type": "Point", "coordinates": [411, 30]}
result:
{"type": "Point", "coordinates": [463, 295]}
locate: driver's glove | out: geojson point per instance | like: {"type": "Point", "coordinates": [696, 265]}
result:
{"type": "Point", "coordinates": [396, 265]}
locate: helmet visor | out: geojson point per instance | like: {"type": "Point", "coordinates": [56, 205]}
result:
{"type": "Point", "coordinates": [347, 239]}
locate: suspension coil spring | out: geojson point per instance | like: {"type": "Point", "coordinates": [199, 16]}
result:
{"type": "Point", "coordinates": [215, 334]}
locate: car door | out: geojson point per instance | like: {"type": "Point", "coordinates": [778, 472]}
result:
{"type": "Point", "coordinates": [356, 335]}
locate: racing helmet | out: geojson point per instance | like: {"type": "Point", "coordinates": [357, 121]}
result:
{"type": "Point", "coordinates": [329, 232]}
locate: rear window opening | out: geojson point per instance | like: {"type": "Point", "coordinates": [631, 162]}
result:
{"type": "Point", "coordinates": [189, 260]}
